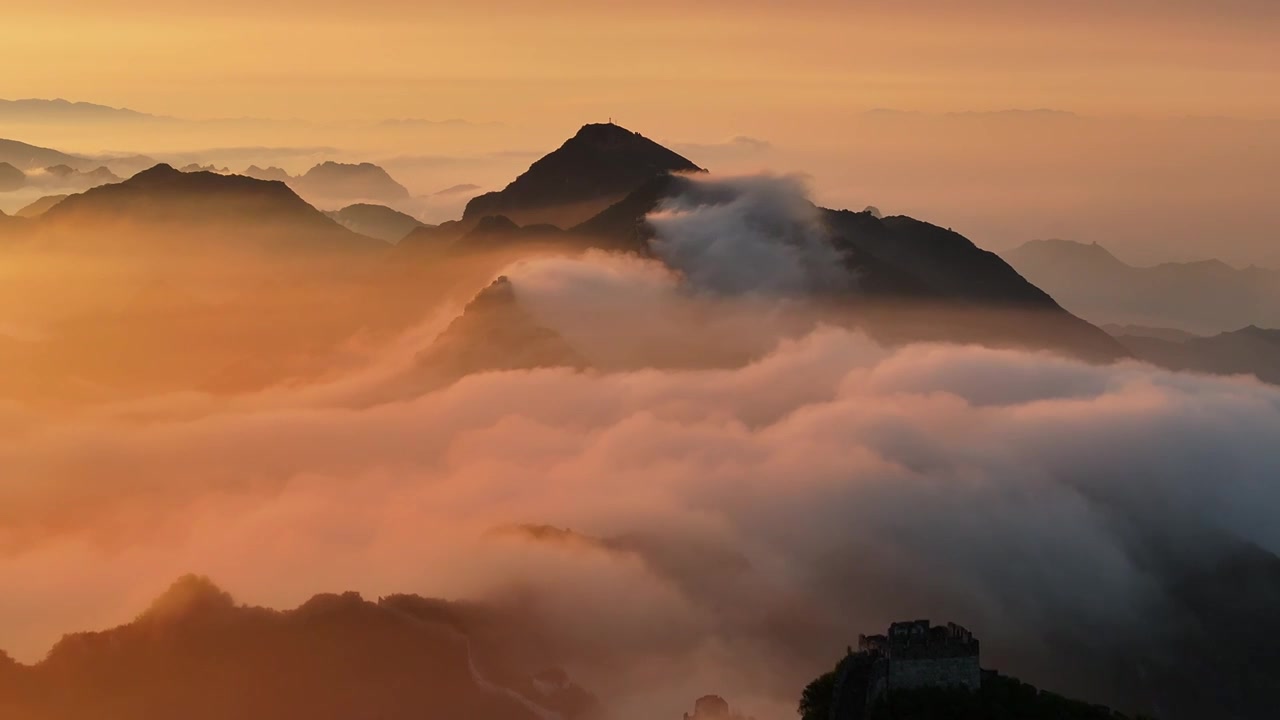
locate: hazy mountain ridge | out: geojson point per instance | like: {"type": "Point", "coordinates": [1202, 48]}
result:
{"type": "Point", "coordinates": [1201, 297]}
{"type": "Point", "coordinates": [41, 206]}
{"type": "Point", "coordinates": [59, 110]}
{"type": "Point", "coordinates": [29, 157]}
{"type": "Point", "coordinates": [1249, 351]}
{"type": "Point", "coordinates": [333, 180]}
{"type": "Point", "coordinates": [202, 202]}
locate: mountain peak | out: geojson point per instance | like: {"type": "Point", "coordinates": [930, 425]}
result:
{"type": "Point", "coordinates": [604, 131]}
{"type": "Point", "coordinates": [601, 164]}
{"type": "Point", "coordinates": [158, 172]}
{"type": "Point", "coordinates": [361, 181]}
{"type": "Point", "coordinates": [190, 595]}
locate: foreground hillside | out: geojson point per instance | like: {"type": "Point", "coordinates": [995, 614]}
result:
{"type": "Point", "coordinates": [198, 655]}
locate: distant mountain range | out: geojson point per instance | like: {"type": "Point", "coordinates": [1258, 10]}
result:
{"type": "Point", "coordinates": [909, 280]}
{"type": "Point", "coordinates": [30, 157]}
{"type": "Point", "coordinates": [1249, 351]}
{"type": "Point", "coordinates": [343, 181]}
{"type": "Point", "coordinates": [186, 208]}
{"type": "Point", "coordinates": [59, 110]}
{"type": "Point", "coordinates": [1200, 297]}
{"type": "Point", "coordinates": [376, 221]}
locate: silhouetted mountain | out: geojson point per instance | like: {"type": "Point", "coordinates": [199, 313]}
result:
{"type": "Point", "coordinates": [937, 285]}
{"type": "Point", "coordinates": [592, 170]}
{"type": "Point", "coordinates": [376, 221]}
{"type": "Point", "coordinates": [196, 654]}
{"type": "Point", "coordinates": [999, 698]}
{"type": "Point", "coordinates": [201, 207]}
{"type": "Point", "coordinates": [342, 181]}
{"type": "Point", "coordinates": [268, 173]}
{"type": "Point", "coordinates": [1142, 331]}
{"type": "Point", "coordinates": [30, 157]}
{"type": "Point", "coordinates": [913, 280]}
{"type": "Point", "coordinates": [127, 165]}
{"type": "Point", "coordinates": [457, 189]}
{"type": "Point", "coordinates": [65, 176]}
{"type": "Point", "coordinates": [493, 333]}
{"type": "Point", "coordinates": [621, 226]}
{"type": "Point", "coordinates": [1249, 351]}
{"type": "Point", "coordinates": [41, 206]}
{"type": "Point", "coordinates": [11, 178]}
{"type": "Point", "coordinates": [1202, 647]}
{"type": "Point", "coordinates": [34, 110]}
{"type": "Point", "coordinates": [195, 167]}
{"type": "Point", "coordinates": [484, 234]}
{"type": "Point", "coordinates": [1202, 297]}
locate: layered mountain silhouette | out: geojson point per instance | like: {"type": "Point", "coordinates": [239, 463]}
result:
{"type": "Point", "coordinates": [11, 178]}
{"type": "Point", "coordinates": [912, 280]}
{"type": "Point", "coordinates": [40, 206]}
{"type": "Point", "coordinates": [197, 654]}
{"type": "Point", "coordinates": [457, 189]}
{"type": "Point", "coordinates": [1248, 351]}
{"type": "Point", "coordinates": [267, 173]}
{"type": "Point", "coordinates": [36, 110]}
{"type": "Point", "coordinates": [1143, 331]}
{"type": "Point", "coordinates": [342, 181]}
{"type": "Point", "coordinates": [65, 176]}
{"type": "Point", "coordinates": [1201, 297]}
{"type": "Point", "coordinates": [595, 168]}
{"type": "Point", "coordinates": [494, 332]}
{"type": "Point", "coordinates": [178, 209]}
{"type": "Point", "coordinates": [31, 157]}
{"type": "Point", "coordinates": [376, 221]}
{"type": "Point", "coordinates": [197, 167]}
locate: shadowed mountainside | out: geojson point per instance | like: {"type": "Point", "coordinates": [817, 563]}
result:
{"type": "Point", "coordinates": [592, 170]}
{"type": "Point", "coordinates": [1248, 351]}
{"type": "Point", "coordinates": [196, 654]}
{"type": "Point", "coordinates": [493, 333]}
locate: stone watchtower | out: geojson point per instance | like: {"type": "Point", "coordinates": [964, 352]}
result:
{"type": "Point", "coordinates": [916, 654]}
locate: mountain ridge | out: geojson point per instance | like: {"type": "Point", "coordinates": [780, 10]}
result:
{"type": "Point", "coordinates": [1202, 297]}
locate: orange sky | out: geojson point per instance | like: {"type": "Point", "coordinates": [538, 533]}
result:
{"type": "Point", "coordinates": [710, 60]}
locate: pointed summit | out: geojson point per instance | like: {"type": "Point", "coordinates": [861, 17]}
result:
{"type": "Point", "coordinates": [189, 596]}
{"type": "Point", "coordinates": [595, 168]}
{"type": "Point", "coordinates": [494, 332]}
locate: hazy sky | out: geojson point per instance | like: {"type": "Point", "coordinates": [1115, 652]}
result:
{"type": "Point", "coordinates": [714, 59]}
